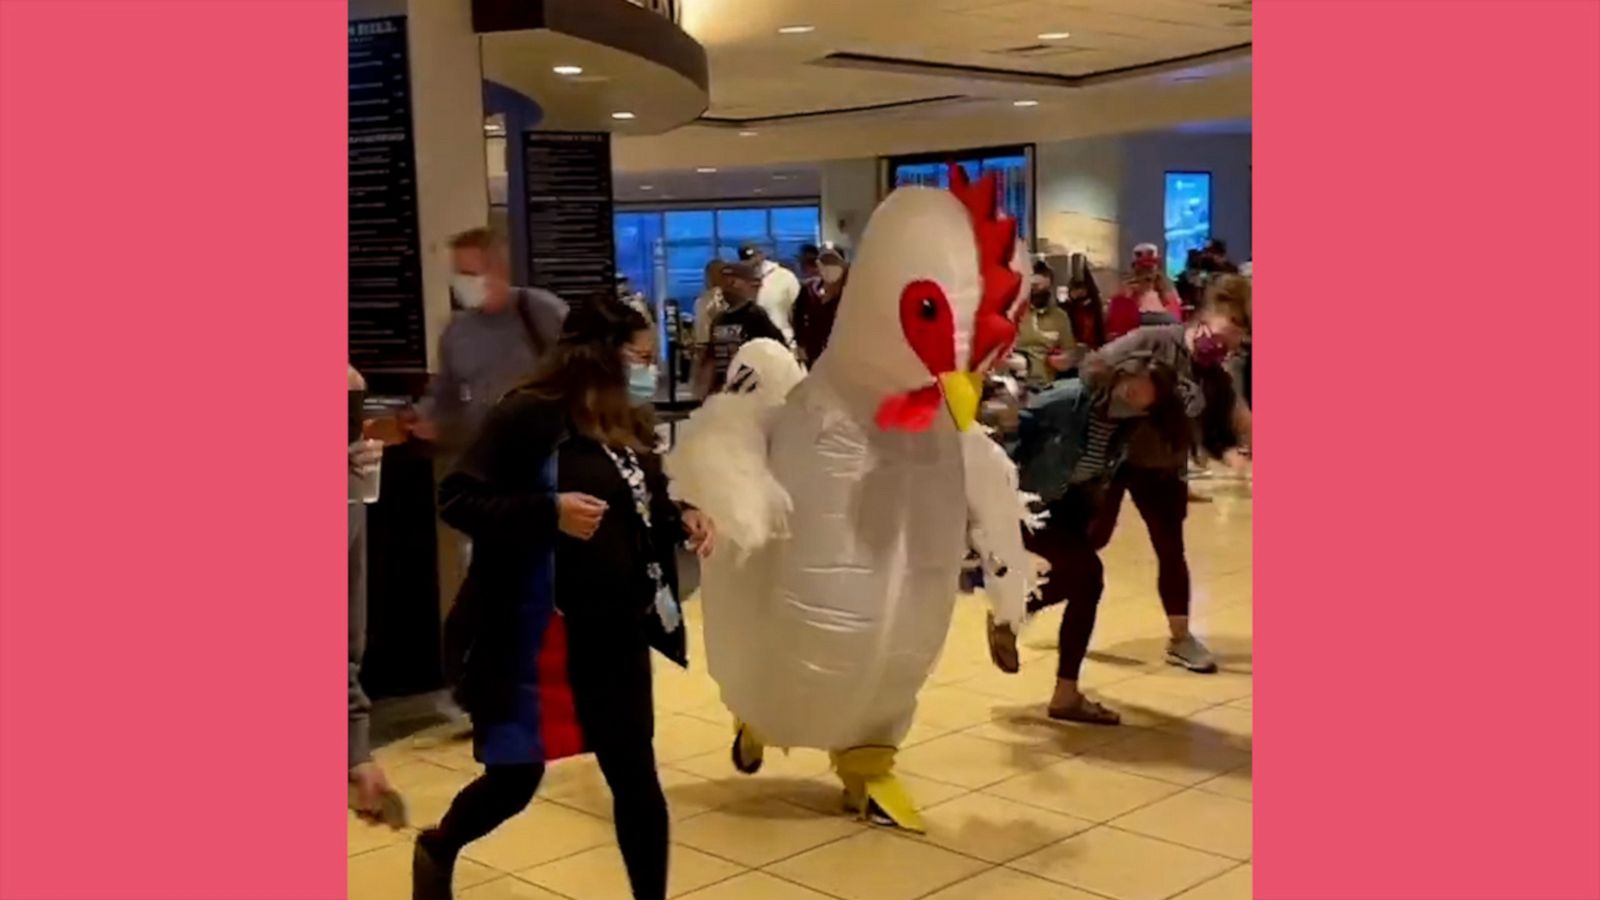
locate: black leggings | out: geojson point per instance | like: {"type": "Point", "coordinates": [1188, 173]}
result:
{"type": "Point", "coordinates": [1076, 575]}
{"type": "Point", "coordinates": [1162, 498]}
{"type": "Point", "coordinates": [611, 688]}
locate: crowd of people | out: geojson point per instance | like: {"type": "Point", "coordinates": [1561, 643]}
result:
{"type": "Point", "coordinates": [556, 487]}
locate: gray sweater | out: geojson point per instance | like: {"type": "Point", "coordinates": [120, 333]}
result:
{"type": "Point", "coordinates": [484, 355]}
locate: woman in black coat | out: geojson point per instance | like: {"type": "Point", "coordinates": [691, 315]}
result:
{"type": "Point", "coordinates": [572, 581]}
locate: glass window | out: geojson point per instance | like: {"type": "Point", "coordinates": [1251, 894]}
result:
{"type": "Point", "coordinates": [1011, 170]}
{"type": "Point", "coordinates": [738, 226]}
{"type": "Point", "coordinates": [637, 234]}
{"type": "Point", "coordinates": [1187, 218]}
{"type": "Point", "coordinates": [689, 239]}
{"type": "Point", "coordinates": [792, 228]}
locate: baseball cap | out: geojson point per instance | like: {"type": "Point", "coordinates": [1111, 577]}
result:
{"type": "Point", "coordinates": [748, 250]}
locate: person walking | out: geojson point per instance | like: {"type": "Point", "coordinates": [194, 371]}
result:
{"type": "Point", "coordinates": [573, 583]}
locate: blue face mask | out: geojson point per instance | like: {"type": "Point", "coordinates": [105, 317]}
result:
{"type": "Point", "coordinates": [641, 383]}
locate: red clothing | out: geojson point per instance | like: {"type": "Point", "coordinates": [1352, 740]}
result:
{"type": "Point", "coordinates": [1123, 314]}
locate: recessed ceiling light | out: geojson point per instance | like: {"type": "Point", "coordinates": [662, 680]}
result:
{"type": "Point", "coordinates": [747, 134]}
{"type": "Point", "coordinates": [760, 190]}
{"type": "Point", "coordinates": [1024, 103]}
{"type": "Point", "coordinates": [797, 29]}
{"type": "Point", "coordinates": [568, 70]}
{"type": "Point", "coordinates": [780, 177]}
{"type": "Point", "coordinates": [622, 116]}
{"type": "Point", "coordinates": [706, 170]}
{"type": "Point", "coordinates": [647, 187]}
{"type": "Point", "coordinates": [1187, 79]}
{"type": "Point", "coordinates": [1054, 35]}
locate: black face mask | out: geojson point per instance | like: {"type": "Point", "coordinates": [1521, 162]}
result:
{"type": "Point", "coordinates": [1040, 298]}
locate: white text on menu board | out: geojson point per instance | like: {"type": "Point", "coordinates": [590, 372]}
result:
{"type": "Point", "coordinates": [364, 29]}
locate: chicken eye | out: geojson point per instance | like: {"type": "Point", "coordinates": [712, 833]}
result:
{"type": "Point", "coordinates": [929, 310]}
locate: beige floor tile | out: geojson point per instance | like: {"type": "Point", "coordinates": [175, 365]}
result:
{"type": "Point", "coordinates": [793, 764]}
{"type": "Point", "coordinates": [1205, 821]}
{"type": "Point", "coordinates": [1235, 884]}
{"type": "Point", "coordinates": [681, 737]}
{"type": "Point", "coordinates": [507, 888]}
{"type": "Point", "coordinates": [1222, 723]}
{"type": "Point", "coordinates": [954, 708]}
{"type": "Point", "coordinates": [1235, 784]}
{"type": "Point", "coordinates": [1178, 757]}
{"type": "Point", "coordinates": [1030, 686]}
{"type": "Point", "coordinates": [1142, 701]}
{"type": "Point", "coordinates": [598, 874]}
{"type": "Point", "coordinates": [971, 762]}
{"type": "Point", "coordinates": [715, 713]}
{"type": "Point", "coordinates": [877, 865]}
{"type": "Point", "coordinates": [538, 834]}
{"type": "Point", "coordinates": [386, 874]}
{"type": "Point", "coordinates": [1039, 733]}
{"type": "Point", "coordinates": [1004, 884]}
{"type": "Point", "coordinates": [1220, 687]}
{"type": "Point", "coordinates": [756, 886]}
{"type": "Point", "coordinates": [994, 828]}
{"type": "Point", "coordinates": [1085, 791]}
{"type": "Point", "coordinates": [761, 831]}
{"type": "Point", "coordinates": [1123, 866]}
{"type": "Point", "coordinates": [1242, 703]}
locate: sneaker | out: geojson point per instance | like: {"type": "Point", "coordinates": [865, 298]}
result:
{"type": "Point", "coordinates": [1192, 655]}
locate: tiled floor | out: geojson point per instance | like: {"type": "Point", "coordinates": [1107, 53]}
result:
{"type": "Point", "coordinates": [1017, 807]}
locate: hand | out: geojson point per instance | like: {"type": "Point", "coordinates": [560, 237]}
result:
{"type": "Point", "coordinates": [702, 532]}
{"type": "Point", "coordinates": [579, 515]}
{"type": "Point", "coordinates": [366, 453]}
{"type": "Point", "coordinates": [1235, 460]}
{"type": "Point", "coordinates": [369, 784]}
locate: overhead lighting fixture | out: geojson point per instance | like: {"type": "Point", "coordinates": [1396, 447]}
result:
{"type": "Point", "coordinates": [747, 134]}
{"type": "Point", "coordinates": [1054, 35]}
{"type": "Point", "coordinates": [647, 187]}
{"type": "Point", "coordinates": [1024, 103]}
{"type": "Point", "coordinates": [1189, 79]}
{"type": "Point", "coordinates": [780, 177]}
{"type": "Point", "coordinates": [797, 29]}
{"type": "Point", "coordinates": [707, 170]}
{"type": "Point", "coordinates": [760, 190]}
{"type": "Point", "coordinates": [568, 70]}
{"type": "Point", "coordinates": [622, 116]}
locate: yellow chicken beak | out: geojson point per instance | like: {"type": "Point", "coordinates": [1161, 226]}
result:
{"type": "Point", "coordinates": [962, 391]}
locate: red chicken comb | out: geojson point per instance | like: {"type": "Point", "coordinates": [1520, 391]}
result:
{"type": "Point", "coordinates": [994, 328]}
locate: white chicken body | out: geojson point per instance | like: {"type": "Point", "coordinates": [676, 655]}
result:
{"type": "Point", "coordinates": [823, 639]}
{"type": "Point", "coordinates": [821, 630]}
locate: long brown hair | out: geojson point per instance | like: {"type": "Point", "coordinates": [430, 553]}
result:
{"type": "Point", "coordinates": [587, 376]}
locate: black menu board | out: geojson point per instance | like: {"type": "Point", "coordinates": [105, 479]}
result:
{"type": "Point", "coordinates": [571, 245]}
{"type": "Point", "coordinates": [387, 329]}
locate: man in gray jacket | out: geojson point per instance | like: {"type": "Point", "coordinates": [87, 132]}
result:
{"type": "Point", "coordinates": [496, 338]}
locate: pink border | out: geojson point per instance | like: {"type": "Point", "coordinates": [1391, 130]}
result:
{"type": "Point", "coordinates": [1428, 636]}
{"type": "Point", "coordinates": [172, 344]}
{"type": "Point", "coordinates": [172, 274]}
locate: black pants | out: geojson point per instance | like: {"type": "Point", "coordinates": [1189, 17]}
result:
{"type": "Point", "coordinates": [1162, 498]}
{"type": "Point", "coordinates": [609, 667]}
{"type": "Point", "coordinates": [1076, 575]}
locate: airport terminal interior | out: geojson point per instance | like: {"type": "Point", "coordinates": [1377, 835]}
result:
{"type": "Point", "coordinates": [697, 165]}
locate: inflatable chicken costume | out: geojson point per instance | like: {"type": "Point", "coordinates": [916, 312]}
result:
{"type": "Point", "coordinates": [845, 500]}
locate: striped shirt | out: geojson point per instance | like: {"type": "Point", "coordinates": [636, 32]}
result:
{"type": "Point", "coordinates": [1096, 461]}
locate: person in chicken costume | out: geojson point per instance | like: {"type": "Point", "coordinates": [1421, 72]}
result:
{"type": "Point", "coordinates": [846, 504]}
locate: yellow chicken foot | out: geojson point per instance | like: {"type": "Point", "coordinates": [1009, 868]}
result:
{"type": "Point", "coordinates": [871, 789]}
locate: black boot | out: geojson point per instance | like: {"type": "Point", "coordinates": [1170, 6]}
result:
{"type": "Point", "coordinates": [430, 875]}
